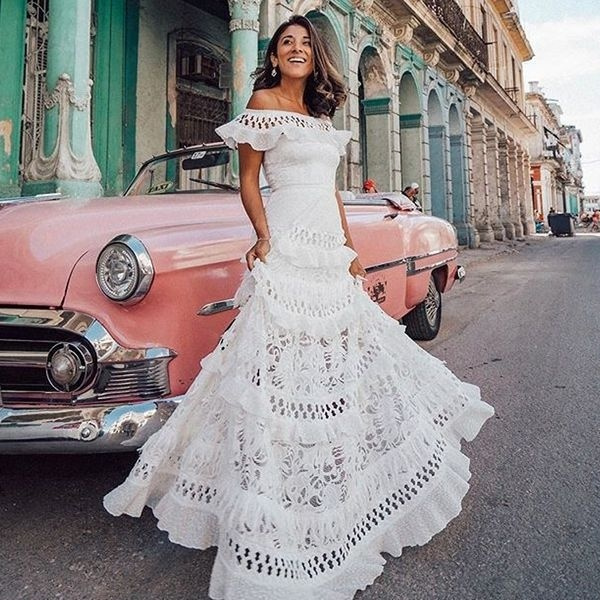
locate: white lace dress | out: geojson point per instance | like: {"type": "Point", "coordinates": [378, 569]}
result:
{"type": "Point", "coordinates": [317, 435]}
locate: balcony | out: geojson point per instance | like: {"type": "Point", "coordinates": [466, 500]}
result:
{"type": "Point", "coordinates": [451, 15]}
{"type": "Point", "coordinates": [552, 152]}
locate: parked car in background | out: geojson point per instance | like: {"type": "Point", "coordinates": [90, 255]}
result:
{"type": "Point", "coordinates": [107, 305]}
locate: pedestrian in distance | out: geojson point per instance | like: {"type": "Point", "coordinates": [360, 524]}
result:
{"type": "Point", "coordinates": [595, 221]}
{"type": "Point", "coordinates": [317, 435]}
{"type": "Point", "coordinates": [369, 186]}
{"type": "Point", "coordinates": [411, 192]}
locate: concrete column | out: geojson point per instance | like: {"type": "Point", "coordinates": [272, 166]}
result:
{"type": "Point", "coordinates": [523, 190]}
{"type": "Point", "coordinates": [475, 239]}
{"type": "Point", "coordinates": [244, 49]}
{"type": "Point", "coordinates": [504, 175]}
{"type": "Point", "coordinates": [480, 179]}
{"type": "Point", "coordinates": [516, 190]}
{"type": "Point", "coordinates": [12, 51]}
{"type": "Point", "coordinates": [244, 28]}
{"type": "Point", "coordinates": [527, 201]}
{"type": "Point", "coordinates": [460, 216]}
{"type": "Point", "coordinates": [395, 140]}
{"type": "Point", "coordinates": [64, 162]}
{"type": "Point", "coordinates": [379, 141]}
{"type": "Point", "coordinates": [353, 157]}
{"type": "Point", "coordinates": [491, 143]}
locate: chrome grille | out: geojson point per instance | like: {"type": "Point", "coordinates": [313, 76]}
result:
{"type": "Point", "coordinates": [23, 353]}
{"type": "Point", "coordinates": [118, 374]}
{"type": "Point", "coordinates": [134, 381]}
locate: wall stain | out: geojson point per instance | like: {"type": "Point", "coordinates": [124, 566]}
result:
{"type": "Point", "coordinates": [6, 129]}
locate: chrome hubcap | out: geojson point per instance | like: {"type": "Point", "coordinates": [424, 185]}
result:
{"type": "Point", "coordinates": [432, 303]}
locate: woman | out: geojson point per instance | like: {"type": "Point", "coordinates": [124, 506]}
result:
{"type": "Point", "coordinates": [317, 435]}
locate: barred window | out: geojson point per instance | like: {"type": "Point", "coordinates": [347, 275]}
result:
{"type": "Point", "coordinates": [202, 95]}
{"type": "Point", "coordinates": [34, 78]}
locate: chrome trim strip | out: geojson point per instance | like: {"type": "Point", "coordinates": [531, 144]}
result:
{"type": "Point", "coordinates": [27, 199]}
{"type": "Point", "coordinates": [107, 349]}
{"type": "Point", "coordinates": [36, 360]}
{"type": "Point", "coordinates": [80, 429]}
{"type": "Point", "coordinates": [433, 253]}
{"type": "Point", "coordinates": [409, 260]}
{"type": "Point", "coordinates": [213, 308]}
{"type": "Point", "coordinates": [415, 271]}
{"type": "Point", "coordinates": [385, 265]}
{"type": "Point", "coordinates": [223, 305]}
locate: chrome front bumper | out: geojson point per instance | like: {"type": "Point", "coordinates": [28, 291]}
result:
{"type": "Point", "coordinates": [125, 399]}
{"type": "Point", "coordinates": [81, 429]}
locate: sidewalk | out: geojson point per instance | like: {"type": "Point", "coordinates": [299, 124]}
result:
{"type": "Point", "coordinates": [488, 250]}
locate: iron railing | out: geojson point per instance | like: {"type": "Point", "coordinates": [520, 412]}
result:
{"type": "Point", "coordinates": [452, 16]}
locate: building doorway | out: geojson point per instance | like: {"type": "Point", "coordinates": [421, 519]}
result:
{"type": "Point", "coordinates": [457, 174]}
{"type": "Point", "coordinates": [437, 157]}
{"type": "Point", "coordinates": [411, 121]}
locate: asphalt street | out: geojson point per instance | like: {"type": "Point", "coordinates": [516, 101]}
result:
{"type": "Point", "coordinates": [525, 327]}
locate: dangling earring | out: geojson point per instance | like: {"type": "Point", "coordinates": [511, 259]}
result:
{"type": "Point", "coordinates": [316, 75]}
{"type": "Point", "coordinates": [274, 72]}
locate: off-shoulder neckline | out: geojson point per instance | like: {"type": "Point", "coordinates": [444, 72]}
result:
{"type": "Point", "coordinates": [278, 110]}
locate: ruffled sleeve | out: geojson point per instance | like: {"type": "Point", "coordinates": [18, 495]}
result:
{"type": "Point", "coordinates": [262, 129]}
{"type": "Point", "coordinates": [342, 137]}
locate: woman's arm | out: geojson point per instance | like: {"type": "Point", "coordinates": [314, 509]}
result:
{"type": "Point", "coordinates": [356, 269]}
{"type": "Point", "coordinates": [250, 162]}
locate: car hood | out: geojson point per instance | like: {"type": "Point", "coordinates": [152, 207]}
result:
{"type": "Point", "coordinates": [40, 242]}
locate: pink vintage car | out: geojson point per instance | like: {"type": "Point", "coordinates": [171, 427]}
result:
{"type": "Point", "coordinates": [107, 305]}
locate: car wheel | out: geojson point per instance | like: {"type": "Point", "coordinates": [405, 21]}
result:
{"type": "Point", "coordinates": [423, 321]}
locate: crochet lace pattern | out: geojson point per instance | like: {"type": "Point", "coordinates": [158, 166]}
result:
{"type": "Point", "coordinates": [317, 434]}
{"type": "Point", "coordinates": [262, 129]}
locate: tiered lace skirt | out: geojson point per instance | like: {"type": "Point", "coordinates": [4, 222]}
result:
{"type": "Point", "coordinates": [316, 437]}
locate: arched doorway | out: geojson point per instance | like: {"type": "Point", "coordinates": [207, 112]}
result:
{"type": "Point", "coordinates": [459, 200]}
{"type": "Point", "coordinates": [437, 157]}
{"type": "Point", "coordinates": [374, 119]}
{"type": "Point", "coordinates": [410, 132]}
{"type": "Point", "coordinates": [327, 31]}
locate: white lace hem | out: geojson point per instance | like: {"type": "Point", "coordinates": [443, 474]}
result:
{"type": "Point", "coordinates": [201, 529]}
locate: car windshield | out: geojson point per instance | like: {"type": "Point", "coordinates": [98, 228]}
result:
{"type": "Point", "coordinates": [194, 170]}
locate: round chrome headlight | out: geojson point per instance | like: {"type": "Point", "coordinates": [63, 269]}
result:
{"type": "Point", "coordinates": [69, 366]}
{"type": "Point", "coordinates": [124, 270]}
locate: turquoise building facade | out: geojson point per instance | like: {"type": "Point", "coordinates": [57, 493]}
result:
{"type": "Point", "coordinates": [96, 87]}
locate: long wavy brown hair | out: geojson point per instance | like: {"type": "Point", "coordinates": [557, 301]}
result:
{"type": "Point", "coordinates": [325, 90]}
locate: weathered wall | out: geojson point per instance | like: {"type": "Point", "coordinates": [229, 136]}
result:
{"type": "Point", "coordinates": [155, 25]}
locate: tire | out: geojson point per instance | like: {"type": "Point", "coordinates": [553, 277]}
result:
{"type": "Point", "coordinates": [424, 320]}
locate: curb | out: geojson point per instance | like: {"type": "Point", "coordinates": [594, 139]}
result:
{"type": "Point", "coordinates": [489, 250]}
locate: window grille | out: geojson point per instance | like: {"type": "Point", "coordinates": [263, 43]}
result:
{"type": "Point", "coordinates": [202, 95]}
{"type": "Point", "coordinates": [198, 116]}
{"type": "Point", "coordinates": [34, 78]}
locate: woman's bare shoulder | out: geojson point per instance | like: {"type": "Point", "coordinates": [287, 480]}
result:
{"type": "Point", "coordinates": [265, 99]}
